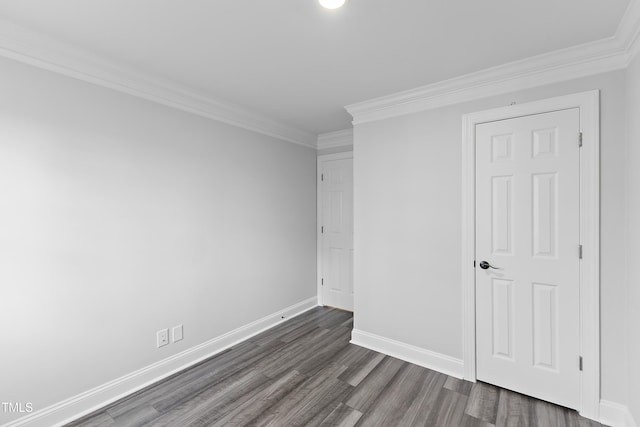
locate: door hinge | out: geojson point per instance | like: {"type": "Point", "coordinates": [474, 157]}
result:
{"type": "Point", "coordinates": [322, 281]}
{"type": "Point", "coordinates": [580, 362]}
{"type": "Point", "coordinates": [580, 139]}
{"type": "Point", "coordinates": [322, 229]}
{"type": "Point", "coordinates": [580, 251]}
{"type": "Point", "coordinates": [321, 177]}
{"type": "Point", "coordinates": [474, 263]}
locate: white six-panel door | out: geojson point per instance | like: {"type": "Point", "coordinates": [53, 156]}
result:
{"type": "Point", "coordinates": [337, 233]}
{"type": "Point", "coordinates": [528, 228]}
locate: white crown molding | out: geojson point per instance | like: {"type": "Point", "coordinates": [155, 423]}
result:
{"type": "Point", "coordinates": [565, 64]}
{"type": "Point", "coordinates": [597, 57]}
{"type": "Point", "coordinates": [340, 138]}
{"type": "Point", "coordinates": [35, 49]}
{"type": "Point", "coordinates": [629, 30]}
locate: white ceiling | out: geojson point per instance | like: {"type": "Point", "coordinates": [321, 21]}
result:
{"type": "Point", "coordinates": [299, 64]}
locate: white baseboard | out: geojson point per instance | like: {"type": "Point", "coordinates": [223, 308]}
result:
{"type": "Point", "coordinates": [409, 353]}
{"type": "Point", "coordinates": [96, 398]}
{"type": "Point", "coordinates": [616, 415]}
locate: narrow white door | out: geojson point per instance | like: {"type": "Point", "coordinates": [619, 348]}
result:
{"type": "Point", "coordinates": [337, 233]}
{"type": "Point", "coordinates": [527, 229]}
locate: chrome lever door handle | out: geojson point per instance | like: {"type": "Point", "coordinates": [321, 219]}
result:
{"type": "Point", "coordinates": [485, 265]}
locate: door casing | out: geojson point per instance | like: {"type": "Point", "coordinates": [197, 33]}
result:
{"type": "Point", "coordinates": [589, 106]}
{"type": "Point", "coordinates": [321, 159]}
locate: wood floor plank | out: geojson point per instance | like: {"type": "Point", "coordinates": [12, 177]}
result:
{"type": "Point", "coordinates": [292, 354]}
{"type": "Point", "coordinates": [515, 410]}
{"type": "Point", "coordinates": [304, 372]}
{"type": "Point", "coordinates": [449, 409]}
{"type": "Point", "coordinates": [362, 367]}
{"type": "Point", "coordinates": [243, 414]}
{"type": "Point", "coordinates": [217, 400]}
{"type": "Point", "coordinates": [351, 354]}
{"type": "Point", "coordinates": [101, 419]}
{"type": "Point", "coordinates": [319, 409]}
{"type": "Point", "coordinates": [549, 415]}
{"type": "Point", "coordinates": [323, 355]}
{"type": "Point", "coordinates": [145, 395]}
{"type": "Point", "coordinates": [401, 394]}
{"type": "Point", "coordinates": [334, 318]}
{"type": "Point", "coordinates": [425, 401]}
{"type": "Point", "coordinates": [458, 385]}
{"type": "Point", "coordinates": [284, 332]}
{"type": "Point", "coordinates": [302, 351]}
{"type": "Point", "coordinates": [308, 321]}
{"type": "Point", "coordinates": [221, 371]}
{"type": "Point", "coordinates": [298, 332]}
{"type": "Point", "coordinates": [184, 379]}
{"type": "Point", "coordinates": [306, 400]}
{"type": "Point", "coordinates": [483, 402]}
{"type": "Point", "coordinates": [374, 384]}
{"type": "Point", "coordinates": [137, 416]}
{"type": "Point", "coordinates": [342, 416]}
{"type": "Point", "coordinates": [348, 323]}
{"type": "Point", "coordinates": [469, 421]}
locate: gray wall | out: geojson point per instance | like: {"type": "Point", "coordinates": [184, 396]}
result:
{"type": "Point", "coordinates": [119, 217]}
{"type": "Point", "coordinates": [407, 173]}
{"type": "Point", "coordinates": [633, 234]}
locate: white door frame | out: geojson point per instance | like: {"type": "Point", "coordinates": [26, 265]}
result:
{"type": "Point", "coordinates": [323, 158]}
{"type": "Point", "coordinates": [589, 105]}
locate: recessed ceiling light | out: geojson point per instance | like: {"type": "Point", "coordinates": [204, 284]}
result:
{"type": "Point", "coordinates": [332, 4]}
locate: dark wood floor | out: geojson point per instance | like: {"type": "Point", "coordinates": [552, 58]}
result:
{"type": "Point", "coordinates": [305, 373]}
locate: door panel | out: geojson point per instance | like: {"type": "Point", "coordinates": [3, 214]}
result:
{"type": "Point", "coordinates": [528, 225]}
{"type": "Point", "coordinates": [502, 318]}
{"type": "Point", "coordinates": [337, 236]}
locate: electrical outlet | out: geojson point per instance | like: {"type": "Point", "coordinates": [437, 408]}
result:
{"type": "Point", "coordinates": [177, 333]}
{"type": "Point", "coordinates": [162, 337]}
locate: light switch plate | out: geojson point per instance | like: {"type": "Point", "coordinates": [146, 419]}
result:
{"type": "Point", "coordinates": [177, 333]}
